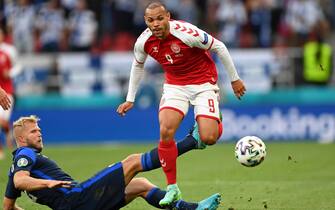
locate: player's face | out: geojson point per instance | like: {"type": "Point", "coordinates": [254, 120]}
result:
{"type": "Point", "coordinates": [157, 20]}
{"type": "Point", "coordinates": [33, 136]}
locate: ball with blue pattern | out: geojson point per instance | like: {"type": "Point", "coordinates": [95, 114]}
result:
{"type": "Point", "coordinates": [250, 151]}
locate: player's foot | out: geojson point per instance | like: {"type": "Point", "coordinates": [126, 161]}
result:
{"type": "Point", "coordinates": [172, 194]}
{"type": "Point", "coordinates": [210, 203]}
{"type": "Point", "coordinates": [195, 133]}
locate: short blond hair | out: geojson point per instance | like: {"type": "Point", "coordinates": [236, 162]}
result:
{"type": "Point", "coordinates": [18, 126]}
{"type": "Point", "coordinates": [22, 120]}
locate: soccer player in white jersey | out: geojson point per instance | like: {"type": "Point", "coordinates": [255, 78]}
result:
{"type": "Point", "coordinates": [190, 78]}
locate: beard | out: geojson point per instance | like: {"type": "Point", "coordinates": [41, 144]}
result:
{"type": "Point", "coordinates": [37, 146]}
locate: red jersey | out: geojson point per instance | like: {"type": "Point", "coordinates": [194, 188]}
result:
{"type": "Point", "coordinates": [183, 54]}
{"type": "Point", "coordinates": [5, 66]}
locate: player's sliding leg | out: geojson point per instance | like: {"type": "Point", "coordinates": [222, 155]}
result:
{"type": "Point", "coordinates": [155, 195]}
{"type": "Point", "coordinates": [210, 203]}
{"type": "Point", "coordinates": [145, 189]}
{"type": "Point", "coordinates": [132, 165]}
{"type": "Point", "coordinates": [150, 160]}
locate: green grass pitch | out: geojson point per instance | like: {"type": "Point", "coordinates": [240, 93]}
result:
{"type": "Point", "coordinates": [293, 175]}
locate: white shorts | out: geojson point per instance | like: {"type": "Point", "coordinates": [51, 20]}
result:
{"type": "Point", "coordinates": [5, 114]}
{"type": "Point", "coordinates": [204, 98]}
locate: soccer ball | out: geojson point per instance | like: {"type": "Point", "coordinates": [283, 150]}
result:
{"type": "Point", "coordinates": [250, 151]}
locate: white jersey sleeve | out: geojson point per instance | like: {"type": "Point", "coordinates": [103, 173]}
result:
{"type": "Point", "coordinates": [221, 50]}
{"type": "Point", "coordinates": [139, 53]}
{"type": "Point", "coordinates": [195, 37]}
{"type": "Point", "coordinates": [137, 68]}
{"type": "Point", "coordinates": [136, 75]}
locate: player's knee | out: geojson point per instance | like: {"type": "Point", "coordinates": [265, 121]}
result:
{"type": "Point", "coordinates": [209, 139]}
{"type": "Point", "coordinates": [166, 132]}
{"type": "Point", "coordinates": [139, 187]}
{"type": "Point", "coordinates": [133, 161]}
{"type": "Point", "coordinates": [143, 182]}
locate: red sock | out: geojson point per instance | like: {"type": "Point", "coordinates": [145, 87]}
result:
{"type": "Point", "coordinates": [168, 152]}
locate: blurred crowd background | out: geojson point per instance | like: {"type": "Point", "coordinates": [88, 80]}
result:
{"type": "Point", "coordinates": [113, 25]}
{"type": "Point", "coordinates": [76, 57]}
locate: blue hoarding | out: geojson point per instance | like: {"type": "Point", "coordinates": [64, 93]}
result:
{"type": "Point", "coordinates": [285, 122]}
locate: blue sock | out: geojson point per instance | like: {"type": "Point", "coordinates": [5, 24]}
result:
{"type": "Point", "coordinates": [156, 194]}
{"type": "Point", "coordinates": [187, 144]}
{"type": "Point", "coordinates": [183, 205]}
{"type": "Point", "coordinates": [150, 160]}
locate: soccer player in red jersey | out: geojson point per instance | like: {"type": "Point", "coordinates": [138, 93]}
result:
{"type": "Point", "coordinates": [8, 66]}
{"type": "Point", "coordinates": [183, 50]}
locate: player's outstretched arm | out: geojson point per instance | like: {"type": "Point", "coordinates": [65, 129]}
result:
{"type": "Point", "coordinates": [23, 181]}
{"type": "Point", "coordinates": [9, 204]}
{"type": "Point", "coordinates": [124, 108]}
{"type": "Point", "coordinates": [221, 50]}
{"type": "Point", "coordinates": [4, 99]}
{"type": "Point", "coordinates": [136, 75]}
{"type": "Point", "coordinates": [239, 88]}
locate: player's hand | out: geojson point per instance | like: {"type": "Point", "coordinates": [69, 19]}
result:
{"type": "Point", "coordinates": [57, 183]}
{"type": "Point", "coordinates": [239, 88]}
{"type": "Point", "coordinates": [5, 102]}
{"type": "Point", "coordinates": [124, 108]}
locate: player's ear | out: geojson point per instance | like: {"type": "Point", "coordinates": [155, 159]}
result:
{"type": "Point", "coordinates": [20, 140]}
{"type": "Point", "coordinates": [145, 20]}
{"type": "Point", "coordinates": [168, 15]}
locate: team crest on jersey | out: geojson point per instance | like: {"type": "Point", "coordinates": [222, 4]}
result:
{"type": "Point", "coordinates": [22, 162]}
{"type": "Point", "coordinates": [175, 48]}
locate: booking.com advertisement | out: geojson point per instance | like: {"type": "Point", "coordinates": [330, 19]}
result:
{"type": "Point", "coordinates": [281, 122]}
{"type": "Point", "coordinates": [277, 123]}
